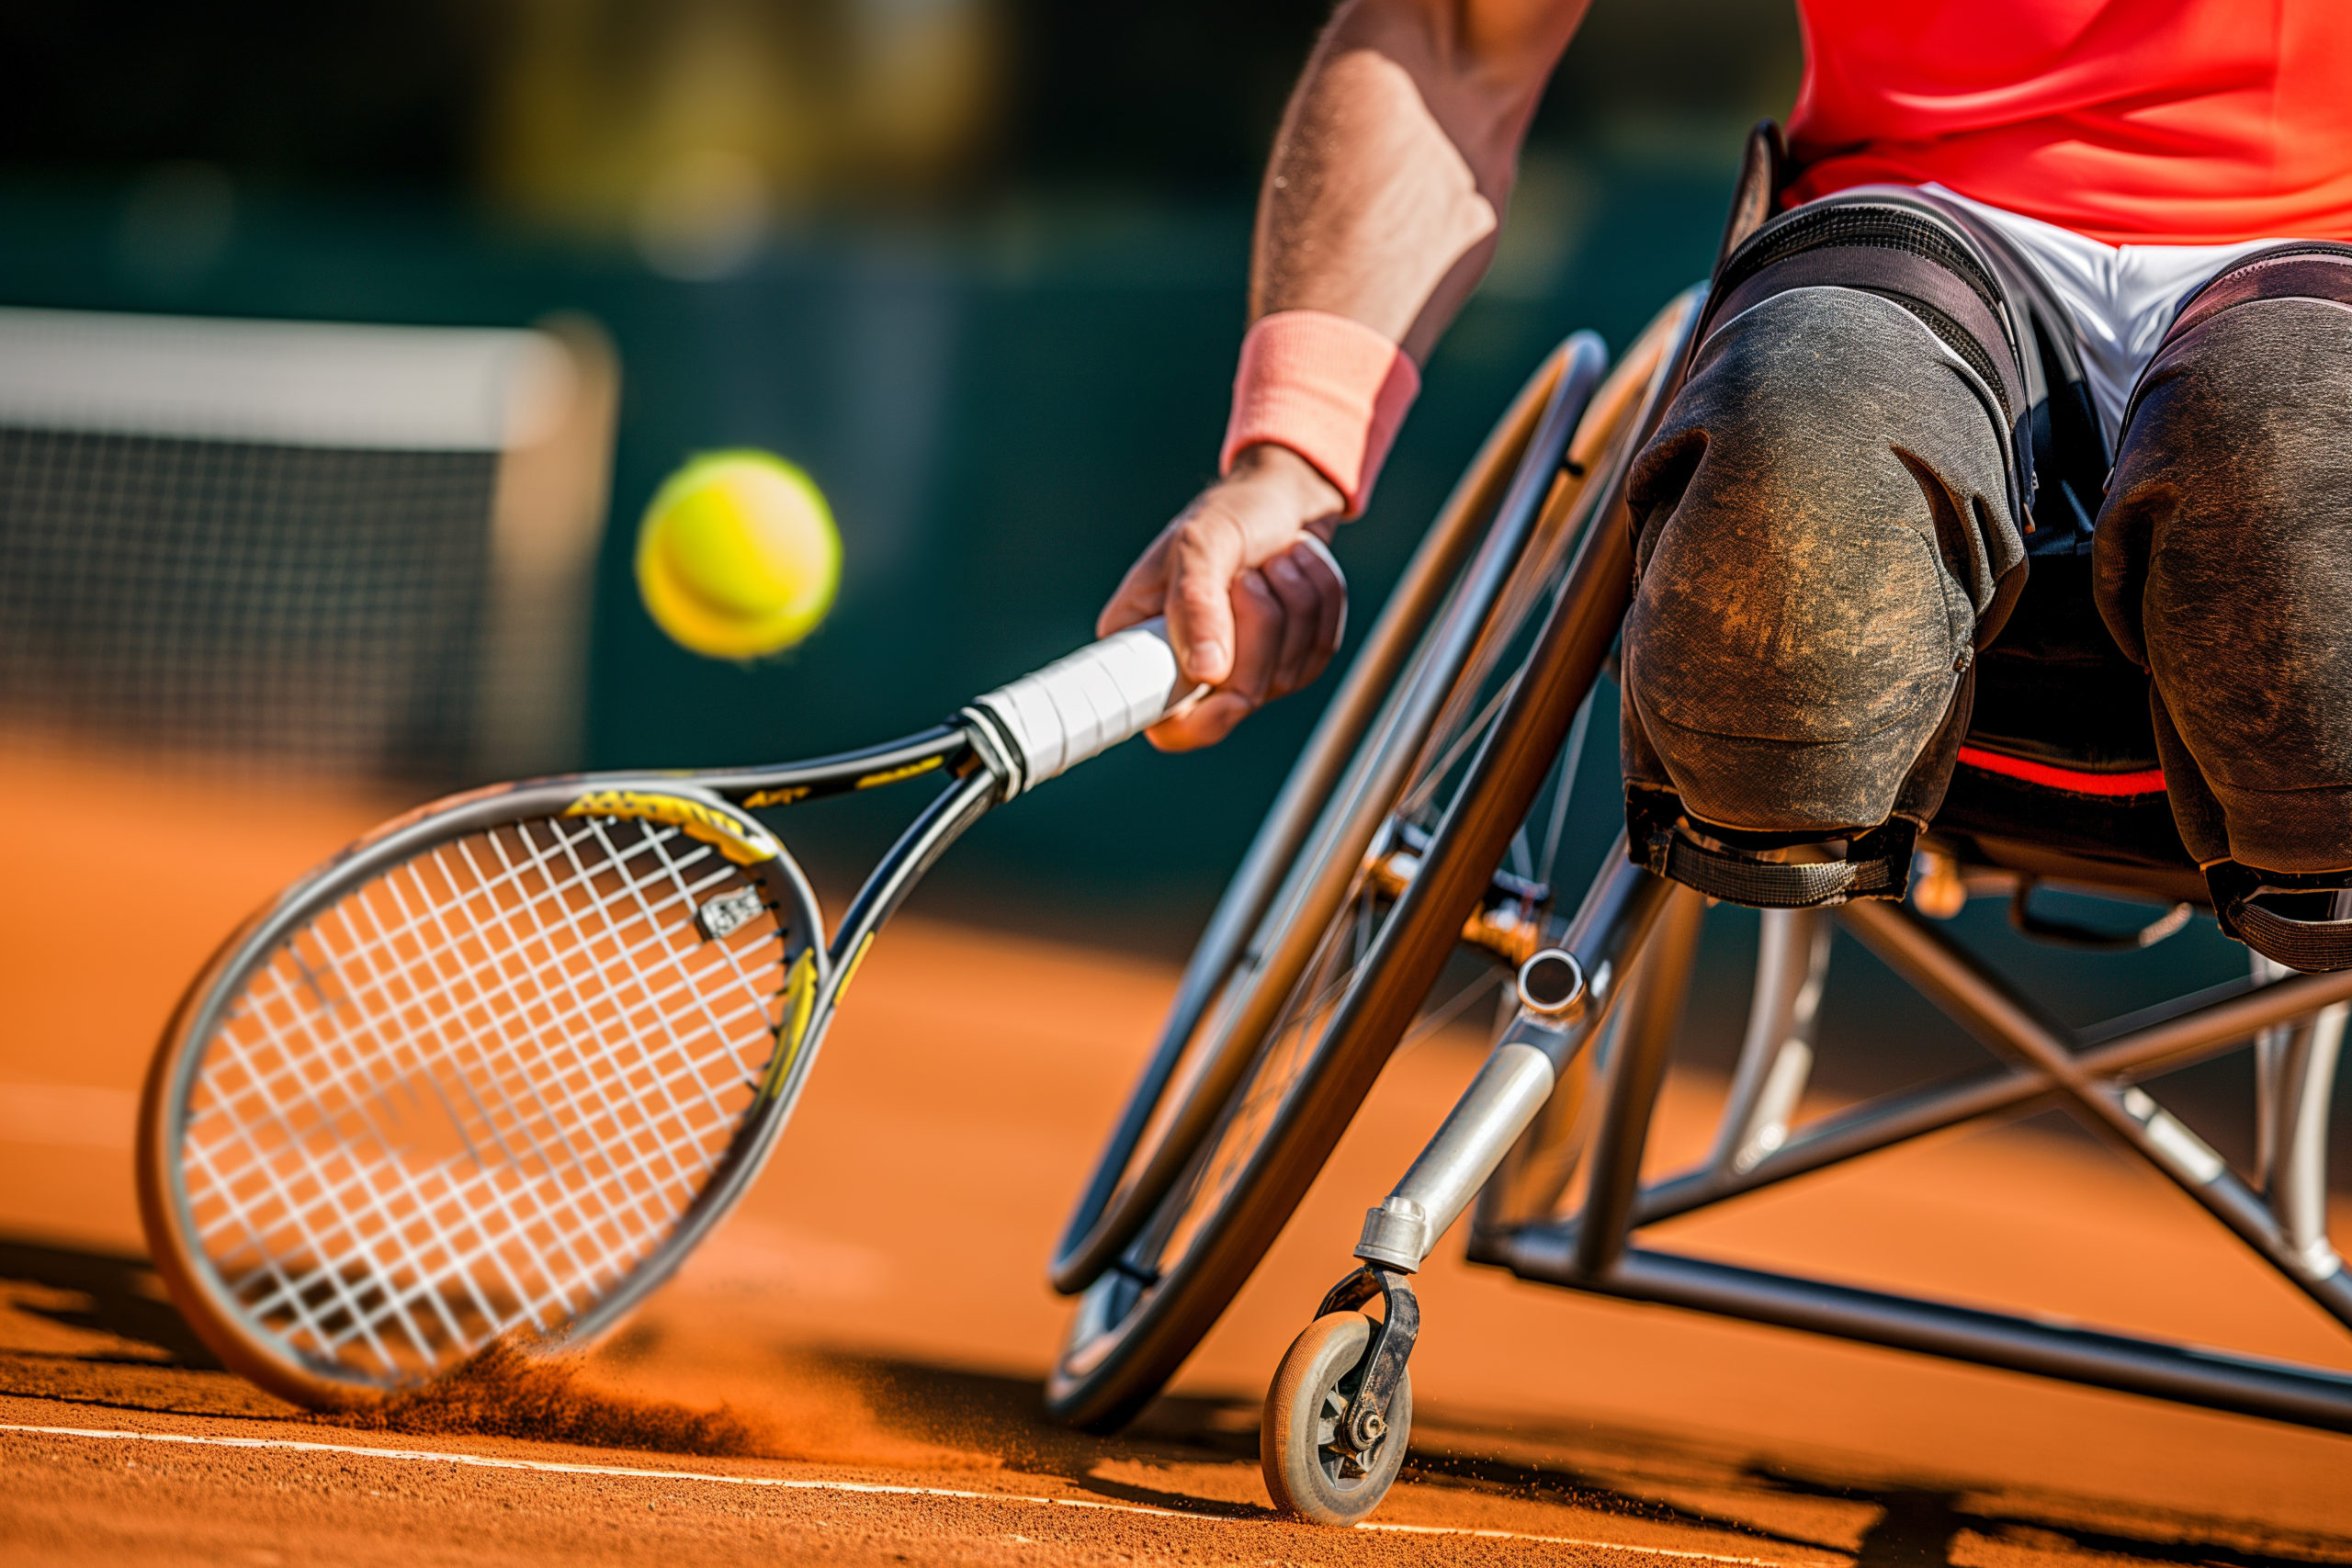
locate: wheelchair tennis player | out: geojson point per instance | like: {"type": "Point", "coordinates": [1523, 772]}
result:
{"type": "Point", "coordinates": [2051, 285]}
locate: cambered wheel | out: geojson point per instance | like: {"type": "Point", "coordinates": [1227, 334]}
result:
{"type": "Point", "coordinates": [1442, 826]}
{"type": "Point", "coordinates": [1311, 1473]}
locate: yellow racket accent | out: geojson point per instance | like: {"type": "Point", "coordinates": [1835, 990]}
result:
{"type": "Point", "coordinates": [856, 959]}
{"type": "Point", "coordinates": [892, 775]}
{"type": "Point", "coordinates": [739, 842]}
{"type": "Point", "coordinates": [799, 1001]}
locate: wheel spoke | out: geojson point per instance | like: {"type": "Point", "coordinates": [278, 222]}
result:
{"type": "Point", "coordinates": [1426, 789]}
{"type": "Point", "coordinates": [1563, 790]}
{"type": "Point", "coordinates": [1430, 1023]}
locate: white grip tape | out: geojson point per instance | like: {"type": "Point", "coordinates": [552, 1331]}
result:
{"type": "Point", "coordinates": [1088, 703]}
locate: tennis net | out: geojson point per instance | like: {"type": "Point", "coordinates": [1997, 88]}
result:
{"type": "Point", "coordinates": [357, 549]}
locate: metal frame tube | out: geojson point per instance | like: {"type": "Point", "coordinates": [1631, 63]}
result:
{"type": "Point", "coordinates": [2192, 1375]}
{"type": "Point", "coordinates": [1636, 1073]}
{"type": "Point", "coordinates": [2164, 1039]}
{"type": "Point", "coordinates": [1979, 1001]}
{"type": "Point", "coordinates": [1518, 1076]}
{"type": "Point", "coordinates": [2298, 1184]}
{"type": "Point", "coordinates": [1776, 1057]}
{"type": "Point", "coordinates": [1593, 1252]}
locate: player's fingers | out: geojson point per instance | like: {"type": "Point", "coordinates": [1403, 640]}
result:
{"type": "Point", "coordinates": [1258, 638]}
{"type": "Point", "coordinates": [1315, 558]}
{"type": "Point", "coordinates": [1256, 618]}
{"type": "Point", "coordinates": [1298, 658]}
{"type": "Point", "coordinates": [1204, 556]}
{"type": "Point", "coordinates": [1142, 594]}
{"type": "Point", "coordinates": [1205, 722]}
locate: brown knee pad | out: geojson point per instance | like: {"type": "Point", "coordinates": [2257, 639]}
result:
{"type": "Point", "coordinates": [1826, 530]}
{"type": "Point", "coordinates": [2223, 565]}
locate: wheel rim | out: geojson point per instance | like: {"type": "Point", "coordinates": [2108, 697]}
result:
{"type": "Point", "coordinates": [1117, 1300]}
{"type": "Point", "coordinates": [1311, 1470]}
{"type": "Point", "coordinates": [1344, 1469]}
{"type": "Point", "coordinates": [1109, 1362]}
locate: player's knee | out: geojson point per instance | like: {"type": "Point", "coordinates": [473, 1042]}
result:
{"type": "Point", "coordinates": [2225, 566]}
{"type": "Point", "coordinates": [1822, 522]}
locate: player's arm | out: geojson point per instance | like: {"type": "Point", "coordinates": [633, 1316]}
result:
{"type": "Point", "coordinates": [1381, 208]}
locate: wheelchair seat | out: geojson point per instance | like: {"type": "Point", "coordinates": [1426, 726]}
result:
{"type": "Point", "coordinates": [2058, 778]}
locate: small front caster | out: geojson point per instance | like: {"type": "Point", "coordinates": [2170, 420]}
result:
{"type": "Point", "coordinates": [1313, 1469]}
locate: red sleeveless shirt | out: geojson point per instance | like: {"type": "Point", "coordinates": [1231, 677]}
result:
{"type": "Point", "coordinates": [2132, 121]}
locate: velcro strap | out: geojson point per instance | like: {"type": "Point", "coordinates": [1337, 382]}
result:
{"type": "Point", "coordinates": [1879, 867]}
{"type": "Point", "coordinates": [1920, 260]}
{"type": "Point", "coordinates": [2312, 946]}
{"type": "Point", "coordinates": [2303, 269]}
{"type": "Point", "coordinates": [1942, 301]}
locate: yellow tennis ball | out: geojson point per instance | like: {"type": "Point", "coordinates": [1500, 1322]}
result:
{"type": "Point", "coordinates": [738, 556]}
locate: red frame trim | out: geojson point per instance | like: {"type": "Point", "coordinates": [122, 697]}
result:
{"type": "Point", "coordinates": [2073, 780]}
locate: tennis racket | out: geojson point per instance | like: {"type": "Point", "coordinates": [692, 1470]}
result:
{"type": "Point", "coordinates": [499, 1066]}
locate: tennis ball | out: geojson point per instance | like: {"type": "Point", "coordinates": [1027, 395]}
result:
{"type": "Point", "coordinates": [738, 556]}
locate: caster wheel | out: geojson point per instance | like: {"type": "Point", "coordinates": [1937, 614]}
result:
{"type": "Point", "coordinates": [1310, 1472]}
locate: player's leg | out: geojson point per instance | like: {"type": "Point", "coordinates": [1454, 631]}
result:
{"type": "Point", "coordinates": [1827, 527]}
{"type": "Point", "coordinates": [2224, 564]}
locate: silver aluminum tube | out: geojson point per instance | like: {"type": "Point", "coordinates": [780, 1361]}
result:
{"type": "Point", "coordinates": [1518, 1075]}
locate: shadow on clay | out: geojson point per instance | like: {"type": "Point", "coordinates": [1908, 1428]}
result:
{"type": "Point", "coordinates": [105, 1292]}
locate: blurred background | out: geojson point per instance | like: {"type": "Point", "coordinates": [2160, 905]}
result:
{"type": "Point", "coordinates": [978, 265]}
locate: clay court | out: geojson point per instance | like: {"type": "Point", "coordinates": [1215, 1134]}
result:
{"type": "Point", "coordinates": [850, 1371]}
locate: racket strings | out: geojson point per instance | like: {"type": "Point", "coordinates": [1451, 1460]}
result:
{"type": "Point", "coordinates": [437, 1093]}
{"type": "Point", "coordinates": [477, 1195]}
{"type": "Point", "coordinates": [414, 925]}
{"type": "Point", "coordinates": [660, 1087]}
{"type": "Point", "coordinates": [478, 1091]}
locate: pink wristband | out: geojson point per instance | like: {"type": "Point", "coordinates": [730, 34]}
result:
{"type": "Point", "coordinates": [1331, 389]}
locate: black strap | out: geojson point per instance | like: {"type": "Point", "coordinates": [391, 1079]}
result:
{"type": "Point", "coordinates": [2312, 946]}
{"type": "Point", "coordinates": [1877, 865]}
{"type": "Point", "coordinates": [1948, 303]}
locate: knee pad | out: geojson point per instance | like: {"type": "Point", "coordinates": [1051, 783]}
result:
{"type": "Point", "coordinates": [2223, 564]}
{"type": "Point", "coordinates": [1826, 531]}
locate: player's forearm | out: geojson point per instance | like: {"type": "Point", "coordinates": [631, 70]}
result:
{"type": "Point", "coordinates": [1380, 209]}
{"type": "Point", "coordinates": [1386, 193]}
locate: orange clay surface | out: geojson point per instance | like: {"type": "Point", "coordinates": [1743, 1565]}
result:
{"type": "Point", "coordinates": [848, 1372]}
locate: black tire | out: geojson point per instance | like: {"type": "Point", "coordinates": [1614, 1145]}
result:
{"type": "Point", "coordinates": [1309, 1474]}
{"type": "Point", "coordinates": [1253, 1091]}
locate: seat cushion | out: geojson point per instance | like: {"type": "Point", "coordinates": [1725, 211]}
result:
{"type": "Point", "coordinates": [2060, 750]}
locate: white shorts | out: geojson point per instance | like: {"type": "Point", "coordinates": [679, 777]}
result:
{"type": "Point", "coordinates": [2119, 298]}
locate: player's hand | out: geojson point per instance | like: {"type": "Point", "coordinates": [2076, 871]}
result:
{"type": "Point", "coordinates": [1254, 611]}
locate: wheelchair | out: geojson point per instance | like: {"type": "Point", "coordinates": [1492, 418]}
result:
{"type": "Point", "coordinates": [1423, 822]}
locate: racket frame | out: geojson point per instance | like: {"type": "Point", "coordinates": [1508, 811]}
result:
{"type": "Point", "coordinates": [713, 805]}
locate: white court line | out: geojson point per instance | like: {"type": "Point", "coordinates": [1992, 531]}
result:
{"type": "Point", "coordinates": [487, 1461]}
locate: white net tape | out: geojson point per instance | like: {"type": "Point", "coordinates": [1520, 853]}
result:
{"type": "Point", "coordinates": [478, 1091]}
